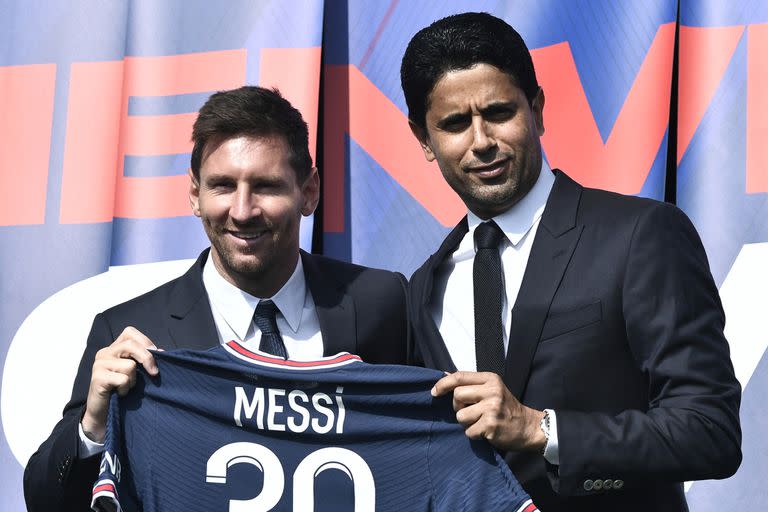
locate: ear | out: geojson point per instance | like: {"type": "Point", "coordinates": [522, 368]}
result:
{"type": "Point", "coordinates": [310, 192]}
{"type": "Point", "coordinates": [537, 108]}
{"type": "Point", "coordinates": [421, 135]}
{"type": "Point", "coordinates": [194, 193]}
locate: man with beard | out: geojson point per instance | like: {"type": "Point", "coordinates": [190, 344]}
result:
{"type": "Point", "coordinates": [251, 181]}
{"type": "Point", "coordinates": [583, 328]}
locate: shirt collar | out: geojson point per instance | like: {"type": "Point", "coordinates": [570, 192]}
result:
{"type": "Point", "coordinates": [236, 306]}
{"type": "Point", "coordinates": [519, 219]}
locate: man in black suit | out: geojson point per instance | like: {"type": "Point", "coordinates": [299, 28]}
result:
{"type": "Point", "coordinates": [586, 325]}
{"type": "Point", "coordinates": [251, 181]}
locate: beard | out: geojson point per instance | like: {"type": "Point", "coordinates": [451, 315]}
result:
{"type": "Point", "coordinates": [251, 263]}
{"type": "Point", "coordinates": [497, 196]}
{"type": "Point", "coordinates": [261, 269]}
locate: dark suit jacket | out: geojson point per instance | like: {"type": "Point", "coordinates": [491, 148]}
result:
{"type": "Point", "coordinates": [618, 327]}
{"type": "Point", "coordinates": [361, 310]}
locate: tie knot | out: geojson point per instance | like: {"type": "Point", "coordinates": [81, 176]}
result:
{"type": "Point", "coordinates": [488, 235]}
{"type": "Point", "coordinates": [265, 317]}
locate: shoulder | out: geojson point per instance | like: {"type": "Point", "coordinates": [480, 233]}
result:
{"type": "Point", "coordinates": [344, 270]}
{"type": "Point", "coordinates": [614, 208]}
{"type": "Point", "coordinates": [351, 276]}
{"type": "Point", "coordinates": [599, 200]}
{"type": "Point", "coordinates": [652, 230]}
{"type": "Point", "coordinates": [151, 303]}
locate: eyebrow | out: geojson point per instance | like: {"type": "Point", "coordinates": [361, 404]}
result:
{"type": "Point", "coordinates": [499, 106]}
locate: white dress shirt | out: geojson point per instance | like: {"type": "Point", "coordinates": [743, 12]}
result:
{"type": "Point", "coordinates": [233, 310]}
{"type": "Point", "coordinates": [297, 319]}
{"type": "Point", "coordinates": [452, 305]}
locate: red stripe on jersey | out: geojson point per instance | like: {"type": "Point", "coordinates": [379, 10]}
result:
{"type": "Point", "coordinates": [288, 362]}
{"type": "Point", "coordinates": [531, 508]}
{"type": "Point", "coordinates": [104, 487]}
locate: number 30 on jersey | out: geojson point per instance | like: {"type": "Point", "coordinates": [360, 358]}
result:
{"type": "Point", "coordinates": [303, 478]}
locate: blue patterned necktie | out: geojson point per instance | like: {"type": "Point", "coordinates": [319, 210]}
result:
{"type": "Point", "coordinates": [489, 294]}
{"type": "Point", "coordinates": [271, 341]}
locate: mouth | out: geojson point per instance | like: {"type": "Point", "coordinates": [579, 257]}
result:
{"type": "Point", "coordinates": [248, 237]}
{"type": "Point", "coordinates": [487, 171]}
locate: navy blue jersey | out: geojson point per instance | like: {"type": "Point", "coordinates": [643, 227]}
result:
{"type": "Point", "coordinates": [230, 429]}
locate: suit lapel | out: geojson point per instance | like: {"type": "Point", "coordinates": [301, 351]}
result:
{"type": "Point", "coordinates": [190, 323]}
{"type": "Point", "coordinates": [552, 248]}
{"type": "Point", "coordinates": [335, 308]}
{"type": "Point", "coordinates": [441, 358]}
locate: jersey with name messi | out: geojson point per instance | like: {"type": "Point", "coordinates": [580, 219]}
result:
{"type": "Point", "coordinates": [230, 429]}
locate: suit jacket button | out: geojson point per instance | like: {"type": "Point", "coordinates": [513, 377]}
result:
{"type": "Point", "coordinates": [588, 485]}
{"type": "Point", "coordinates": [598, 484]}
{"type": "Point", "coordinates": [618, 484]}
{"type": "Point", "coordinates": [607, 484]}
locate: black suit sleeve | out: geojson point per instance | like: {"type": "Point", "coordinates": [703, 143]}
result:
{"type": "Point", "coordinates": [55, 477]}
{"type": "Point", "coordinates": [674, 325]}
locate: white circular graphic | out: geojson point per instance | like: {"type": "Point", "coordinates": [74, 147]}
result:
{"type": "Point", "coordinates": [46, 350]}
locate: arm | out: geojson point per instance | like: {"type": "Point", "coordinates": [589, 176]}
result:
{"type": "Point", "coordinates": [674, 324]}
{"type": "Point", "coordinates": [57, 477]}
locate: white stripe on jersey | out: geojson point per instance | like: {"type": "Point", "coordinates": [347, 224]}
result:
{"type": "Point", "coordinates": [270, 361]}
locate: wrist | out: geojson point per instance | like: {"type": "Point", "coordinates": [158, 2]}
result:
{"type": "Point", "coordinates": [537, 436]}
{"type": "Point", "coordinates": [92, 429]}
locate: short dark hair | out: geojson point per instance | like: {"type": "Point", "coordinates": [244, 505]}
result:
{"type": "Point", "coordinates": [459, 42]}
{"type": "Point", "coordinates": [253, 111]}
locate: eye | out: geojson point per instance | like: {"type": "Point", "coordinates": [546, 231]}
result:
{"type": "Point", "coordinates": [499, 114]}
{"type": "Point", "coordinates": [454, 124]}
{"type": "Point", "coordinates": [220, 185]}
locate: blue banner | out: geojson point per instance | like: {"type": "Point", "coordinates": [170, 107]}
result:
{"type": "Point", "coordinates": [722, 184]}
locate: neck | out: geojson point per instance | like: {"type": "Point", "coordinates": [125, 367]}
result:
{"type": "Point", "coordinates": [262, 283]}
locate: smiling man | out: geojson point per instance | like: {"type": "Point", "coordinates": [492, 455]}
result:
{"type": "Point", "coordinates": [251, 181]}
{"type": "Point", "coordinates": [582, 328]}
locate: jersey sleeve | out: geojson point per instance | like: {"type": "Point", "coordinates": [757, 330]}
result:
{"type": "Point", "coordinates": [470, 475]}
{"type": "Point", "coordinates": [107, 489]}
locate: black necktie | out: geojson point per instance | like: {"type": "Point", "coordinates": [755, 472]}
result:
{"type": "Point", "coordinates": [488, 286]}
{"type": "Point", "coordinates": [271, 341]}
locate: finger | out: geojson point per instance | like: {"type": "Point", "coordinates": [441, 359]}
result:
{"type": "Point", "coordinates": [470, 415]}
{"type": "Point", "coordinates": [477, 430]}
{"type": "Point", "coordinates": [128, 349]}
{"type": "Point", "coordinates": [472, 394]}
{"type": "Point", "coordinates": [123, 383]}
{"type": "Point", "coordinates": [116, 365]}
{"type": "Point", "coordinates": [131, 333]}
{"type": "Point", "coordinates": [145, 359]}
{"type": "Point", "coordinates": [106, 381]}
{"type": "Point", "coordinates": [136, 349]}
{"type": "Point", "coordinates": [453, 380]}
{"type": "Point", "coordinates": [143, 356]}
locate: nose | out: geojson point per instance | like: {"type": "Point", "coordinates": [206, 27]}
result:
{"type": "Point", "coordinates": [482, 137]}
{"type": "Point", "coordinates": [244, 206]}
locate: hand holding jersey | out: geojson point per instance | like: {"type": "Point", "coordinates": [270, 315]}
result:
{"type": "Point", "coordinates": [487, 410]}
{"type": "Point", "coordinates": [115, 370]}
